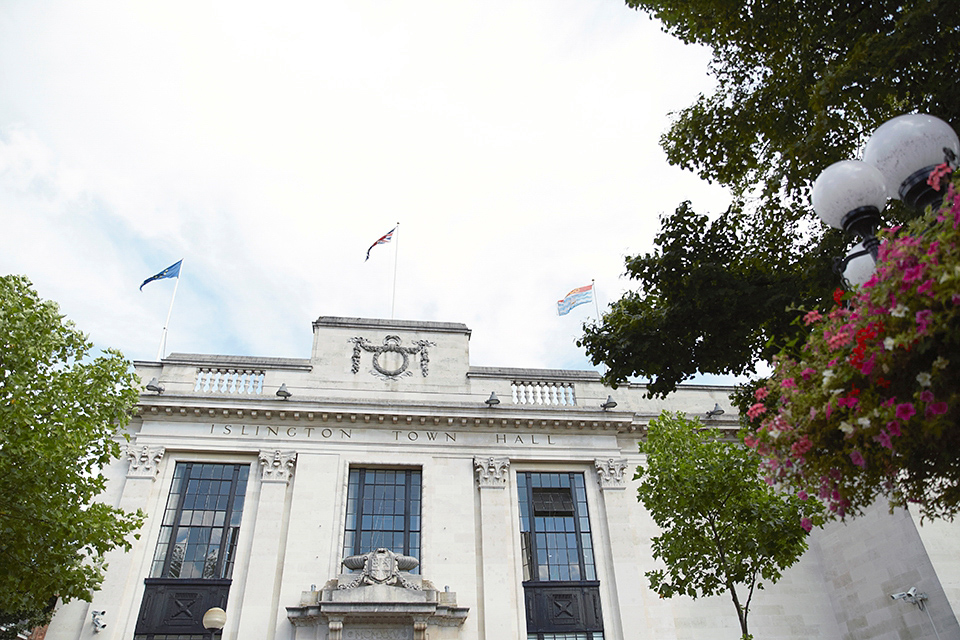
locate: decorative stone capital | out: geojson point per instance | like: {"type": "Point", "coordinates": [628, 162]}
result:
{"type": "Point", "coordinates": [277, 466]}
{"type": "Point", "coordinates": [610, 473]}
{"type": "Point", "coordinates": [144, 461]}
{"type": "Point", "coordinates": [491, 472]}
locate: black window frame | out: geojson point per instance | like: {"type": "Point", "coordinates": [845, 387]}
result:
{"type": "Point", "coordinates": [372, 500]}
{"type": "Point", "coordinates": [184, 496]}
{"type": "Point", "coordinates": [561, 593]}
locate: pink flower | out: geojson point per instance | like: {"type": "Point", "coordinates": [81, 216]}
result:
{"type": "Point", "coordinates": [807, 373]}
{"type": "Point", "coordinates": [913, 273]}
{"type": "Point", "coordinates": [926, 396]}
{"type": "Point", "coordinates": [750, 441]}
{"type": "Point", "coordinates": [884, 439]}
{"type": "Point", "coordinates": [761, 393]}
{"type": "Point", "coordinates": [857, 459]}
{"type": "Point", "coordinates": [788, 383]}
{"type": "Point", "coordinates": [923, 320]}
{"type": "Point", "coordinates": [893, 427]}
{"type": "Point", "coordinates": [756, 410]}
{"type": "Point", "coordinates": [812, 317]}
{"type": "Point", "coordinates": [926, 287]}
{"type": "Point", "coordinates": [850, 402]}
{"type": "Point", "coordinates": [803, 495]}
{"type": "Point", "coordinates": [867, 367]}
{"type": "Point", "coordinates": [905, 411]}
{"type": "Point", "coordinates": [939, 172]}
{"type": "Point", "coordinates": [937, 409]}
{"type": "Point", "coordinates": [801, 446]}
{"type": "Point", "coordinates": [806, 524]}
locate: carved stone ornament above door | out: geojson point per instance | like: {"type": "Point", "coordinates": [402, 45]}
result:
{"type": "Point", "coordinates": [391, 361]}
{"type": "Point", "coordinates": [381, 599]}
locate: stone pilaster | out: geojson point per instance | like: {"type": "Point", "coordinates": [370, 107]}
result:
{"type": "Point", "coordinates": [143, 469]}
{"type": "Point", "coordinates": [501, 590]}
{"type": "Point", "coordinates": [258, 613]}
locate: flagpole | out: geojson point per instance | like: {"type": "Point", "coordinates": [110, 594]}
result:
{"type": "Point", "coordinates": [163, 334]}
{"type": "Point", "coordinates": [595, 301]}
{"type": "Point", "coordinates": [396, 250]}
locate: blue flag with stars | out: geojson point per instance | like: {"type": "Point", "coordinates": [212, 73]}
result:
{"type": "Point", "coordinates": [173, 271]}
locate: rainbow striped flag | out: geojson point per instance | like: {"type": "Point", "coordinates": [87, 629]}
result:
{"type": "Point", "coordinates": [580, 295]}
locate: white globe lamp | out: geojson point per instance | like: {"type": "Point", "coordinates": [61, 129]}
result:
{"type": "Point", "coordinates": [906, 149]}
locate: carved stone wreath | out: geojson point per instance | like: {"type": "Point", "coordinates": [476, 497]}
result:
{"type": "Point", "coordinates": [391, 344]}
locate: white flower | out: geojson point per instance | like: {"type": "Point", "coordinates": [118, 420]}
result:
{"type": "Point", "coordinates": [899, 311]}
{"type": "Point", "coordinates": [924, 379]}
{"type": "Point", "coordinates": [864, 422]}
{"type": "Point", "coordinates": [940, 363]}
{"type": "Point", "coordinates": [846, 427]}
{"type": "Point", "coordinates": [827, 374]}
{"type": "Point", "coordinates": [889, 344]}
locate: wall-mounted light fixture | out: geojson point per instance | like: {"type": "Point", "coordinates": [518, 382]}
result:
{"type": "Point", "coordinates": [493, 400]}
{"type": "Point", "coordinates": [609, 404]}
{"type": "Point", "coordinates": [716, 411]}
{"type": "Point", "coordinates": [154, 385]}
{"type": "Point", "coordinates": [283, 392]}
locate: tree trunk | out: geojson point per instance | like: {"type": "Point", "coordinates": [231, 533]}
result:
{"type": "Point", "coordinates": [741, 614]}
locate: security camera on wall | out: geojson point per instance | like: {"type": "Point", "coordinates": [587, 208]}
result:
{"type": "Point", "coordinates": [898, 596]}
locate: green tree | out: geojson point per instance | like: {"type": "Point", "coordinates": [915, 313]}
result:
{"type": "Point", "coordinates": [723, 527]}
{"type": "Point", "coordinates": [799, 85]}
{"type": "Point", "coordinates": [709, 299]}
{"type": "Point", "coordinates": [61, 412]}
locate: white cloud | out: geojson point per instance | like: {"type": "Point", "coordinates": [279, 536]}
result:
{"type": "Point", "coordinates": [516, 142]}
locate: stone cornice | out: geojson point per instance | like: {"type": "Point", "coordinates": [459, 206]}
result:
{"type": "Point", "coordinates": [400, 325]}
{"type": "Point", "coordinates": [551, 375]}
{"type": "Point", "coordinates": [518, 417]}
{"type": "Point", "coordinates": [231, 362]}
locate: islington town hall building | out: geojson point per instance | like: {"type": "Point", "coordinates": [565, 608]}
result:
{"type": "Point", "coordinates": [385, 489]}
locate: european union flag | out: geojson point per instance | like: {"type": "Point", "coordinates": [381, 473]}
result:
{"type": "Point", "coordinates": [173, 271]}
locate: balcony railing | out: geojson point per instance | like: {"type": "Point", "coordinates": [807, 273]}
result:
{"type": "Point", "coordinates": [559, 394]}
{"type": "Point", "coordinates": [220, 380]}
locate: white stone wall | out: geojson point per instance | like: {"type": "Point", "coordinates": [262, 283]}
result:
{"type": "Point", "coordinates": [292, 529]}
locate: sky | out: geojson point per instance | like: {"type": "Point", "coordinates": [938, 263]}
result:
{"type": "Point", "coordinates": [268, 145]}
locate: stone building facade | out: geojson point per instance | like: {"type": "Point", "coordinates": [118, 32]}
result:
{"type": "Point", "coordinates": [383, 488]}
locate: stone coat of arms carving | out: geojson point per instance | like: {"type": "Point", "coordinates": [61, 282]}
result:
{"type": "Point", "coordinates": [399, 362]}
{"type": "Point", "coordinates": [381, 566]}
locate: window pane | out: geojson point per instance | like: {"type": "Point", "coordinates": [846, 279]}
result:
{"type": "Point", "coordinates": [199, 512]}
{"type": "Point", "coordinates": [383, 510]}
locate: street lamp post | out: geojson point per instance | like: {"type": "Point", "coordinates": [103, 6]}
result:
{"type": "Point", "coordinates": [897, 162]}
{"type": "Point", "coordinates": [213, 620]}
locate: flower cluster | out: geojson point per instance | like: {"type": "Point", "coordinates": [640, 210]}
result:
{"type": "Point", "coordinates": [871, 406]}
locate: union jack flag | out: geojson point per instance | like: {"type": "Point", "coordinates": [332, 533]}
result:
{"type": "Point", "coordinates": [384, 239]}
